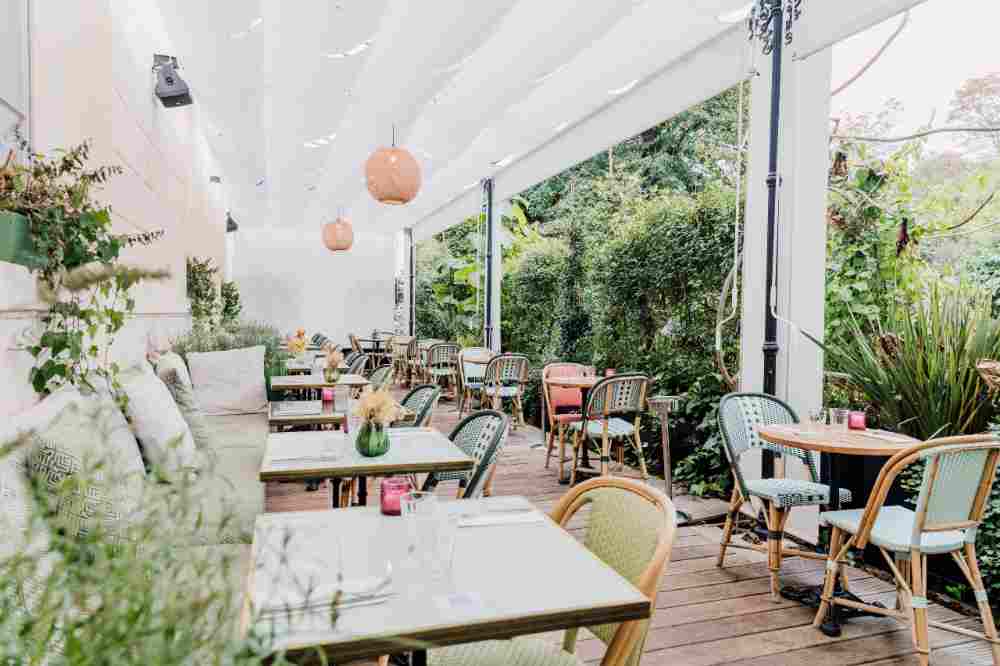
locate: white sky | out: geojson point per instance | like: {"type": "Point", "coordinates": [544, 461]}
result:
{"type": "Point", "coordinates": [945, 43]}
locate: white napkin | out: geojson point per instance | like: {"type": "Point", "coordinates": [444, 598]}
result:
{"type": "Point", "coordinates": [498, 518]}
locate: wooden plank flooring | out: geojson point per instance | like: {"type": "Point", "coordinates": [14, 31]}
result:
{"type": "Point", "coordinates": [707, 615]}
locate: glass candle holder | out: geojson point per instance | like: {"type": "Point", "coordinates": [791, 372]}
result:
{"type": "Point", "coordinates": [392, 490]}
{"type": "Point", "coordinates": [856, 421]}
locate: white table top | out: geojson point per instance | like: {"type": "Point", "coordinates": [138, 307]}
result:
{"type": "Point", "coordinates": [332, 454]}
{"type": "Point", "coordinates": [291, 382]}
{"type": "Point", "coordinates": [495, 588]}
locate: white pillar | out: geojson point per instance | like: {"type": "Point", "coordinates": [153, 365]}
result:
{"type": "Point", "coordinates": [801, 241]}
{"type": "Point", "coordinates": [496, 279]}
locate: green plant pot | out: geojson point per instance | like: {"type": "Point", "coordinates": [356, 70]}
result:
{"type": "Point", "coordinates": [372, 441]}
{"type": "Point", "coordinates": [16, 244]}
{"type": "Point", "coordinates": [331, 375]}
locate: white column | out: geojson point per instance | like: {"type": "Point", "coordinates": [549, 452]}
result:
{"type": "Point", "coordinates": [801, 242]}
{"type": "Point", "coordinates": [496, 278]}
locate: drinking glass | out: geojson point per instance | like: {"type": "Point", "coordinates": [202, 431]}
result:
{"type": "Point", "coordinates": [420, 510]}
{"type": "Point", "coordinates": [817, 418]}
{"type": "Point", "coordinates": [839, 418]}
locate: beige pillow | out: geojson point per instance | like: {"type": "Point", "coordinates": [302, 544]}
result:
{"type": "Point", "coordinates": [229, 382]}
{"type": "Point", "coordinates": [173, 372]}
{"type": "Point", "coordinates": [164, 434]}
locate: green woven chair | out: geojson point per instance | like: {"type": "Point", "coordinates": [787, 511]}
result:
{"type": "Point", "coordinates": [739, 416]}
{"type": "Point", "coordinates": [381, 378]}
{"type": "Point", "coordinates": [631, 528]}
{"type": "Point", "coordinates": [472, 362]}
{"type": "Point", "coordinates": [350, 357]}
{"type": "Point", "coordinates": [421, 400]}
{"type": "Point", "coordinates": [482, 436]}
{"type": "Point", "coordinates": [504, 379]}
{"type": "Point", "coordinates": [957, 478]}
{"type": "Point", "coordinates": [611, 398]}
{"type": "Point", "coordinates": [442, 365]}
{"type": "Point", "coordinates": [358, 364]}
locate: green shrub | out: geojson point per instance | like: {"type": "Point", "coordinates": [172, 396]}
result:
{"type": "Point", "coordinates": [240, 336]}
{"type": "Point", "coordinates": [231, 307]}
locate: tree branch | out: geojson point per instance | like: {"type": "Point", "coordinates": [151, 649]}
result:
{"type": "Point", "coordinates": [917, 135]}
{"type": "Point", "coordinates": [970, 218]}
{"type": "Point", "coordinates": [871, 61]}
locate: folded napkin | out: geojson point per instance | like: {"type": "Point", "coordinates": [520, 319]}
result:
{"type": "Point", "coordinates": [353, 593]}
{"type": "Point", "coordinates": [502, 518]}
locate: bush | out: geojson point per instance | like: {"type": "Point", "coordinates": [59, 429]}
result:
{"type": "Point", "coordinates": [231, 307]}
{"type": "Point", "coordinates": [241, 336]}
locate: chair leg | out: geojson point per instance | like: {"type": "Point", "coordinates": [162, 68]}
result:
{"type": "Point", "coordinates": [638, 452]}
{"type": "Point", "coordinates": [832, 568]}
{"type": "Point", "coordinates": [576, 458]}
{"type": "Point", "coordinates": [727, 531]}
{"type": "Point", "coordinates": [520, 410]}
{"type": "Point", "coordinates": [605, 456]}
{"type": "Point", "coordinates": [550, 444]}
{"type": "Point", "coordinates": [976, 579]}
{"type": "Point", "coordinates": [775, 525]}
{"type": "Point", "coordinates": [562, 451]}
{"type": "Point", "coordinates": [919, 568]}
{"type": "Point", "coordinates": [488, 486]}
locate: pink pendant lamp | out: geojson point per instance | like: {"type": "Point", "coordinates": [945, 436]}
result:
{"type": "Point", "coordinates": [393, 175]}
{"type": "Point", "coordinates": [338, 235]}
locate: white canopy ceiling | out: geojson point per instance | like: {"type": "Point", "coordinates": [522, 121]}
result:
{"type": "Point", "coordinates": [298, 93]}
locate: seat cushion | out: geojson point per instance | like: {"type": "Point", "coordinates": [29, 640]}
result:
{"type": "Point", "coordinates": [616, 428]}
{"type": "Point", "coordinates": [165, 436]}
{"type": "Point", "coordinates": [517, 652]}
{"type": "Point", "coordinates": [238, 431]}
{"type": "Point", "coordinates": [793, 492]}
{"type": "Point", "coordinates": [568, 418]}
{"type": "Point", "coordinates": [893, 530]}
{"type": "Point", "coordinates": [227, 498]}
{"type": "Point", "coordinates": [505, 391]}
{"type": "Point", "coordinates": [173, 372]}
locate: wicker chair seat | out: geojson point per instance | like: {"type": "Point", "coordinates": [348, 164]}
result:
{"type": "Point", "coordinates": [505, 391]}
{"type": "Point", "coordinates": [616, 428]}
{"type": "Point", "coordinates": [793, 492]}
{"type": "Point", "coordinates": [517, 652]}
{"type": "Point", "coordinates": [893, 530]}
{"type": "Point", "coordinates": [568, 418]}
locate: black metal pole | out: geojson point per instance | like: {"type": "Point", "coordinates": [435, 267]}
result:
{"type": "Point", "coordinates": [412, 248]}
{"type": "Point", "coordinates": [770, 323]}
{"type": "Point", "coordinates": [490, 231]}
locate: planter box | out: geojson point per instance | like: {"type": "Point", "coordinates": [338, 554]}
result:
{"type": "Point", "coordinates": [16, 245]}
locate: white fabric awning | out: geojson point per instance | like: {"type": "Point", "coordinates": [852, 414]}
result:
{"type": "Point", "coordinates": [298, 94]}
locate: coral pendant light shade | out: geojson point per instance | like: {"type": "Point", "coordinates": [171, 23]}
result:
{"type": "Point", "coordinates": [393, 176]}
{"type": "Point", "coordinates": [338, 235]}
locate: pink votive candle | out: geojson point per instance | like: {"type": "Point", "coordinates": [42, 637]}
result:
{"type": "Point", "coordinates": [856, 421]}
{"type": "Point", "coordinates": [392, 489]}
{"type": "Point", "coordinates": [328, 395]}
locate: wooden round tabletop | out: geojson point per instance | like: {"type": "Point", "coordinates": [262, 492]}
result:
{"type": "Point", "coordinates": [579, 381]}
{"type": "Point", "coordinates": [835, 440]}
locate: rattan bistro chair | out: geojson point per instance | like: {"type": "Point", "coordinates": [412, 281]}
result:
{"type": "Point", "coordinates": [563, 406]}
{"type": "Point", "coordinates": [358, 364]}
{"type": "Point", "coordinates": [609, 399]}
{"type": "Point", "coordinates": [355, 344]}
{"type": "Point", "coordinates": [957, 479]}
{"type": "Point", "coordinates": [400, 357]}
{"type": "Point", "coordinates": [632, 528]}
{"type": "Point", "coordinates": [504, 379]}
{"type": "Point", "coordinates": [472, 362]}
{"type": "Point", "coordinates": [421, 401]}
{"type": "Point", "coordinates": [481, 436]}
{"type": "Point", "coordinates": [739, 416]}
{"type": "Point", "coordinates": [442, 365]}
{"type": "Point", "coordinates": [381, 378]}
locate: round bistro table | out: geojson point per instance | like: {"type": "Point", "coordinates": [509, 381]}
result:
{"type": "Point", "coordinates": [584, 383]}
{"type": "Point", "coordinates": [840, 445]}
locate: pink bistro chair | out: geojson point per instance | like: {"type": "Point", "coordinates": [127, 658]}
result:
{"type": "Point", "coordinates": [564, 406]}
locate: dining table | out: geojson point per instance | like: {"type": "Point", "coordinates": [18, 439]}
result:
{"type": "Point", "coordinates": [312, 456]}
{"type": "Point", "coordinates": [842, 446]}
{"type": "Point", "coordinates": [399, 592]}
{"type": "Point", "coordinates": [307, 385]}
{"type": "Point", "coordinates": [584, 383]}
{"type": "Point", "coordinates": [306, 414]}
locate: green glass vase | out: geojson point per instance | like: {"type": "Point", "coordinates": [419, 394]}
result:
{"type": "Point", "coordinates": [372, 440]}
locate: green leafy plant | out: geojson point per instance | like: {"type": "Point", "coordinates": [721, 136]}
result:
{"type": "Point", "coordinates": [202, 292]}
{"type": "Point", "coordinates": [231, 307]}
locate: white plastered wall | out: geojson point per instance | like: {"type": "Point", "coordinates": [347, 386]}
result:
{"type": "Point", "coordinates": [90, 79]}
{"type": "Point", "coordinates": [289, 279]}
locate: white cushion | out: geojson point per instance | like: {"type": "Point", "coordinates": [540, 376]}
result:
{"type": "Point", "coordinates": [229, 382]}
{"type": "Point", "coordinates": [893, 530]}
{"type": "Point", "coordinates": [173, 372]}
{"type": "Point", "coordinates": [165, 436]}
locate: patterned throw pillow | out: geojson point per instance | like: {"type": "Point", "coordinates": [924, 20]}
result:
{"type": "Point", "coordinates": [173, 372]}
{"type": "Point", "coordinates": [164, 434]}
{"type": "Point", "coordinates": [87, 466]}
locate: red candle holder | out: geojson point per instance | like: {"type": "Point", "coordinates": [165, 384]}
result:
{"type": "Point", "coordinates": [856, 421]}
{"type": "Point", "coordinates": [391, 490]}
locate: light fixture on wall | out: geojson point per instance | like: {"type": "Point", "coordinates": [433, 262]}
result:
{"type": "Point", "coordinates": [171, 89]}
{"type": "Point", "coordinates": [338, 235]}
{"type": "Point", "coordinates": [393, 174]}
{"type": "Point", "coordinates": [231, 224]}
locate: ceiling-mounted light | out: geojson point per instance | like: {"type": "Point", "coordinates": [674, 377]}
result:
{"type": "Point", "coordinates": [546, 77]}
{"type": "Point", "coordinates": [231, 225]}
{"type": "Point", "coordinates": [625, 88]}
{"type": "Point", "coordinates": [504, 162]}
{"type": "Point", "coordinates": [338, 235]}
{"type": "Point", "coordinates": [393, 174]}
{"type": "Point", "coordinates": [171, 89]}
{"type": "Point", "coordinates": [310, 144]}
{"type": "Point", "coordinates": [331, 137]}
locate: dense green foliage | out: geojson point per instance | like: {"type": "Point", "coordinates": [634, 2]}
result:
{"type": "Point", "coordinates": [229, 294]}
{"type": "Point", "coordinates": [202, 291]}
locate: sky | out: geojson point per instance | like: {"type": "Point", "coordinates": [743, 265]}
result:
{"type": "Point", "coordinates": [945, 43]}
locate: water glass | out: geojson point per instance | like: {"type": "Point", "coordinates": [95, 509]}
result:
{"type": "Point", "coordinates": [839, 418]}
{"type": "Point", "coordinates": [817, 418]}
{"type": "Point", "coordinates": [420, 510]}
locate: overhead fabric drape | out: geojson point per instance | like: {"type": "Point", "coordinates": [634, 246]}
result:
{"type": "Point", "coordinates": [831, 22]}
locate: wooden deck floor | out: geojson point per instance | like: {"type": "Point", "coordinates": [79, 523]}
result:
{"type": "Point", "coordinates": [706, 615]}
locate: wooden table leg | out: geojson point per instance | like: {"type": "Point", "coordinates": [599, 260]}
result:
{"type": "Point", "coordinates": [362, 491]}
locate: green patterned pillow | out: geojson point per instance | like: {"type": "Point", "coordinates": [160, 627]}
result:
{"type": "Point", "coordinates": [173, 372]}
{"type": "Point", "coordinates": [87, 465]}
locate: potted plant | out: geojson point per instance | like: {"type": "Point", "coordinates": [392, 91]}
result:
{"type": "Point", "coordinates": [377, 410]}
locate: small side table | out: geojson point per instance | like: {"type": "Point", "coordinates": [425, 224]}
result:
{"type": "Point", "coordinates": [662, 405]}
